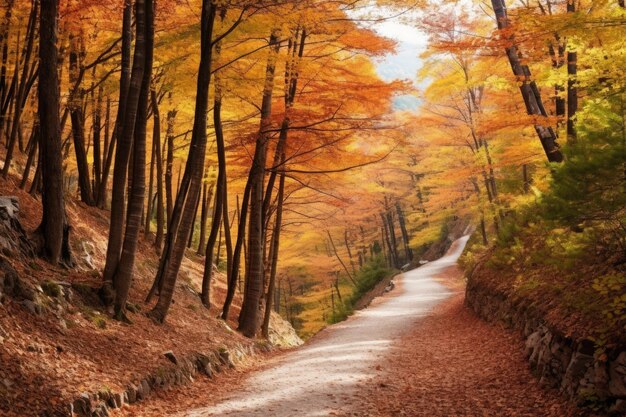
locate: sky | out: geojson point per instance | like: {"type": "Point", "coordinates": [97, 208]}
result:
{"type": "Point", "coordinates": [404, 63]}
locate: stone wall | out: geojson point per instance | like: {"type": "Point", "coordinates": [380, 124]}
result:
{"type": "Point", "coordinates": [181, 371]}
{"type": "Point", "coordinates": [590, 376]}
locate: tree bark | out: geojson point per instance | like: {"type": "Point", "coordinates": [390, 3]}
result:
{"type": "Point", "coordinates": [249, 317]}
{"type": "Point", "coordinates": [530, 91]}
{"type": "Point", "coordinates": [75, 104]}
{"type": "Point", "coordinates": [405, 234]}
{"type": "Point", "coordinates": [343, 265]}
{"type": "Point", "coordinates": [123, 150]}
{"type": "Point", "coordinates": [186, 202]}
{"type": "Point", "coordinates": [97, 146]}
{"type": "Point", "coordinates": [207, 197]}
{"type": "Point", "coordinates": [274, 250]}
{"type": "Point", "coordinates": [125, 78]}
{"type": "Point", "coordinates": [572, 90]}
{"type": "Point", "coordinates": [169, 164]}
{"type": "Point", "coordinates": [19, 99]}
{"type": "Point", "coordinates": [144, 21]}
{"type": "Point", "coordinates": [54, 227]}
{"type": "Point", "coordinates": [148, 217]}
{"type": "Point", "coordinates": [33, 146]}
{"type": "Point", "coordinates": [156, 137]}
{"type": "Point", "coordinates": [220, 193]}
{"type": "Point", "coordinates": [241, 232]}
{"type": "Point", "coordinates": [393, 261]}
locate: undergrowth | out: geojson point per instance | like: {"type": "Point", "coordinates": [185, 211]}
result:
{"type": "Point", "coordinates": [366, 279]}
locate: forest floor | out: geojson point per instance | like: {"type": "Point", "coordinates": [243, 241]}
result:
{"type": "Point", "coordinates": [417, 351]}
{"type": "Point", "coordinates": [47, 360]}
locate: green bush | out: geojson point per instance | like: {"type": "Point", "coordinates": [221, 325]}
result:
{"type": "Point", "coordinates": [366, 279]}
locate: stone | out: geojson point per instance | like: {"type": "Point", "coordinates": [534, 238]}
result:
{"type": "Point", "coordinates": [170, 355]}
{"type": "Point", "coordinates": [118, 398]}
{"type": "Point", "coordinates": [14, 238]}
{"type": "Point", "coordinates": [82, 405]}
{"type": "Point", "coordinates": [131, 394]}
{"type": "Point", "coordinates": [617, 376]}
{"type": "Point", "coordinates": [226, 359]}
{"type": "Point", "coordinates": [145, 389]}
{"type": "Point", "coordinates": [619, 407]}
{"type": "Point", "coordinates": [32, 307]}
{"type": "Point", "coordinates": [33, 347]}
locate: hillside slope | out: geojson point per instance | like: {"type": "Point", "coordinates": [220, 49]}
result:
{"type": "Point", "coordinates": [58, 344]}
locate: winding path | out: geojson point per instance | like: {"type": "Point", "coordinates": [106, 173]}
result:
{"type": "Point", "coordinates": [323, 377]}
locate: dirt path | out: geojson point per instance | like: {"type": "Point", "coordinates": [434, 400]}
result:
{"type": "Point", "coordinates": [414, 352]}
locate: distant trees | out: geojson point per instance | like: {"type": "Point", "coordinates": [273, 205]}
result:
{"type": "Point", "coordinates": [282, 158]}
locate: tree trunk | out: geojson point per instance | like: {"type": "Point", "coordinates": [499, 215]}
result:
{"type": "Point", "coordinates": [393, 261]}
{"type": "Point", "coordinates": [204, 216]}
{"type": "Point", "coordinates": [193, 221]}
{"type": "Point", "coordinates": [97, 150]}
{"type": "Point", "coordinates": [20, 97]}
{"type": "Point", "coordinates": [526, 179]}
{"type": "Point", "coordinates": [4, 36]}
{"type": "Point", "coordinates": [75, 103]}
{"type": "Point", "coordinates": [249, 317]}
{"type": "Point", "coordinates": [392, 237]}
{"type": "Point", "coordinates": [156, 137]}
{"type": "Point", "coordinates": [405, 234]}
{"type": "Point", "coordinates": [220, 193]}
{"type": "Point", "coordinates": [169, 165]}
{"type": "Point", "coordinates": [572, 90]}
{"type": "Point", "coordinates": [186, 202]}
{"type": "Point", "coordinates": [274, 251]}
{"type": "Point", "coordinates": [33, 145]}
{"type": "Point", "coordinates": [54, 227]}
{"type": "Point", "coordinates": [241, 232]}
{"type": "Point", "coordinates": [125, 78]}
{"type": "Point", "coordinates": [144, 21]}
{"type": "Point", "coordinates": [148, 217]}
{"type": "Point", "coordinates": [343, 265]}
{"type": "Point", "coordinates": [123, 150]}
{"type": "Point", "coordinates": [530, 91]}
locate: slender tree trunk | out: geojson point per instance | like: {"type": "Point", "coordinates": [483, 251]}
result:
{"type": "Point", "coordinates": [186, 202]}
{"type": "Point", "coordinates": [572, 90]}
{"type": "Point", "coordinates": [405, 234]}
{"type": "Point", "coordinates": [346, 241]}
{"type": "Point", "coordinates": [19, 99]}
{"type": "Point", "coordinates": [144, 21]}
{"type": "Point", "coordinates": [241, 232]}
{"type": "Point", "coordinates": [97, 150]}
{"type": "Point", "coordinates": [530, 91]}
{"type": "Point", "coordinates": [156, 137]}
{"type": "Point", "coordinates": [393, 261]}
{"type": "Point", "coordinates": [204, 216]}
{"type": "Point", "coordinates": [343, 265]}
{"type": "Point", "coordinates": [78, 125]}
{"type": "Point", "coordinates": [169, 164]}
{"type": "Point", "coordinates": [220, 193]}
{"type": "Point", "coordinates": [4, 41]}
{"type": "Point", "coordinates": [391, 230]}
{"type": "Point", "coordinates": [148, 217]}
{"type": "Point", "coordinates": [483, 229]}
{"type": "Point", "coordinates": [54, 227]}
{"type": "Point", "coordinates": [33, 145]}
{"type": "Point", "coordinates": [249, 318]}
{"type": "Point", "coordinates": [526, 178]}
{"type": "Point", "coordinates": [122, 154]}
{"type": "Point", "coordinates": [193, 223]}
{"type": "Point", "coordinates": [125, 79]}
{"type": "Point", "coordinates": [275, 249]}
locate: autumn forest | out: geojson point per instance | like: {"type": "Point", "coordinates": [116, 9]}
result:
{"type": "Point", "coordinates": [199, 187]}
